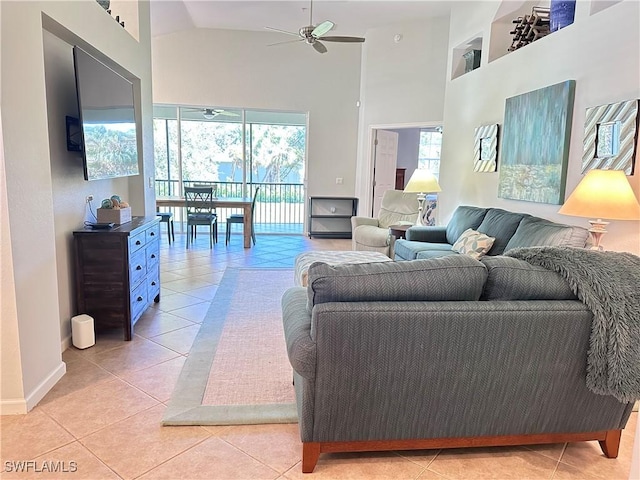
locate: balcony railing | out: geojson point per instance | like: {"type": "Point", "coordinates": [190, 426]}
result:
{"type": "Point", "coordinates": [277, 204]}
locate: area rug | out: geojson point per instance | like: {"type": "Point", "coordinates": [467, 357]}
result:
{"type": "Point", "coordinates": [237, 371]}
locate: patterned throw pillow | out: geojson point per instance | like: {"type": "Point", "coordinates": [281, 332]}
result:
{"type": "Point", "coordinates": [473, 243]}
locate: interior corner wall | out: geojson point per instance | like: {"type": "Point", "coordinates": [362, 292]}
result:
{"type": "Point", "coordinates": [601, 52]}
{"type": "Point", "coordinates": [401, 83]}
{"type": "Point", "coordinates": [10, 370]}
{"type": "Point", "coordinates": [41, 216]}
{"type": "Point", "coordinates": [236, 69]}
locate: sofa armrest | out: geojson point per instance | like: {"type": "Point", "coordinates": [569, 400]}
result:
{"type": "Point", "coordinates": [427, 234]}
{"type": "Point", "coordinates": [357, 221]}
{"type": "Point", "coordinates": [296, 320]}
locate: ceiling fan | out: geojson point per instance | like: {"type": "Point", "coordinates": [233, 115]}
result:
{"type": "Point", "coordinates": [312, 34]}
{"type": "Point", "coordinates": [211, 113]}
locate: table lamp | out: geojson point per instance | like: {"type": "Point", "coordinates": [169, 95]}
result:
{"type": "Point", "coordinates": [422, 182]}
{"type": "Point", "coordinates": [602, 194]}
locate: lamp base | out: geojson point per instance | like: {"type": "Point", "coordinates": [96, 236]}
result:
{"type": "Point", "coordinates": [420, 220]}
{"type": "Point", "coordinates": [597, 231]}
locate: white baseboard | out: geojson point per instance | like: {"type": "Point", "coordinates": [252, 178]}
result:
{"type": "Point", "coordinates": [47, 384]}
{"type": "Point", "coordinates": [635, 407]}
{"type": "Point", "coordinates": [66, 343]}
{"type": "Point", "coordinates": [16, 406]}
{"type": "Point", "coordinates": [20, 406]}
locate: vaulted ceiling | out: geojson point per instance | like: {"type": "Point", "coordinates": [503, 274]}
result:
{"type": "Point", "coordinates": [352, 17]}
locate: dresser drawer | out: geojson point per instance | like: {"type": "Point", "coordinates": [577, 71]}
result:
{"type": "Point", "coordinates": [138, 301]}
{"type": "Point", "coordinates": [153, 284]}
{"type": "Point", "coordinates": [136, 242]}
{"type": "Point", "coordinates": [153, 255]}
{"type": "Point", "coordinates": [137, 267]}
{"type": "Point", "coordinates": [152, 233]}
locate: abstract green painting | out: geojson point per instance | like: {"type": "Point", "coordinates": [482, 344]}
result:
{"type": "Point", "coordinates": [535, 144]}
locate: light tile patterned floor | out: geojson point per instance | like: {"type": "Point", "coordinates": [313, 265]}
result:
{"type": "Point", "coordinates": [104, 415]}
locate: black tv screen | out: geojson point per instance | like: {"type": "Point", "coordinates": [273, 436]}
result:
{"type": "Point", "coordinates": [107, 117]}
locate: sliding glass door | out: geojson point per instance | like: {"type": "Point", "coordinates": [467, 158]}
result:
{"type": "Point", "coordinates": [236, 150]}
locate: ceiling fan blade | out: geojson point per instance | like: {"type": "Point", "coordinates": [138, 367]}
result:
{"type": "Point", "coordinates": [320, 48]}
{"type": "Point", "coordinates": [322, 29]}
{"type": "Point", "coordinates": [282, 31]}
{"type": "Point", "coordinates": [286, 41]}
{"type": "Point", "coordinates": [344, 39]}
{"type": "Point", "coordinates": [226, 113]}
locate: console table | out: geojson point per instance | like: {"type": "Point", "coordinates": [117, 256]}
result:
{"type": "Point", "coordinates": [118, 272]}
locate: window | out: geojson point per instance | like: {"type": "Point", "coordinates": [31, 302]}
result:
{"type": "Point", "coordinates": [429, 149]}
{"type": "Point", "coordinates": [235, 149]}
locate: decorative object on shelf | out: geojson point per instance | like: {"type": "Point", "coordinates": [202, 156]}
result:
{"type": "Point", "coordinates": [485, 148]}
{"type": "Point", "coordinates": [602, 194]}
{"type": "Point", "coordinates": [422, 182]}
{"type": "Point", "coordinates": [530, 28]}
{"type": "Point", "coordinates": [114, 210]}
{"type": "Point", "coordinates": [471, 60]}
{"type": "Point", "coordinates": [535, 144]}
{"type": "Point", "coordinates": [610, 133]}
{"type": "Point", "coordinates": [561, 13]}
{"type": "Point", "coordinates": [104, 3]}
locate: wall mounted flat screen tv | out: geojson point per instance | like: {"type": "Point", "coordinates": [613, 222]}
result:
{"type": "Point", "coordinates": [107, 119]}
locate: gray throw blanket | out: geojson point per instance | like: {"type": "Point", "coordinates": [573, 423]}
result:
{"type": "Point", "coordinates": [609, 284]}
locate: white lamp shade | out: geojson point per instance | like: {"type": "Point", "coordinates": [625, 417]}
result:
{"type": "Point", "coordinates": [422, 181]}
{"type": "Point", "coordinates": [603, 194]}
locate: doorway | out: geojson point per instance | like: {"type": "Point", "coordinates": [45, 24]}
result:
{"type": "Point", "coordinates": [405, 148]}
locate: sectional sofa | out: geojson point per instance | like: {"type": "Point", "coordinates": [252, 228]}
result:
{"type": "Point", "coordinates": [443, 352]}
{"type": "Point", "coordinates": [509, 229]}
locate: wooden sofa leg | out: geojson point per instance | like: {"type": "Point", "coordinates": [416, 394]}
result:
{"type": "Point", "coordinates": [310, 455]}
{"type": "Point", "coordinates": [611, 443]}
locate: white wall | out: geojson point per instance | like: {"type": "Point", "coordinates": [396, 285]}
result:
{"type": "Point", "coordinates": [230, 68]}
{"type": "Point", "coordinates": [600, 52]}
{"type": "Point", "coordinates": [11, 371]}
{"type": "Point", "coordinates": [43, 205]}
{"type": "Point", "coordinates": [401, 83]}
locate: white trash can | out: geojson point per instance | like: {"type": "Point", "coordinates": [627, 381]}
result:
{"type": "Point", "coordinates": [82, 332]}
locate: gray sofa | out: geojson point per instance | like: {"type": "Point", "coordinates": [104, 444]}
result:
{"type": "Point", "coordinates": [510, 230]}
{"type": "Point", "coordinates": [444, 352]}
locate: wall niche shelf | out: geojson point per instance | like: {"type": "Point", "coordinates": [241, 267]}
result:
{"type": "Point", "coordinates": [466, 57]}
{"type": "Point", "coordinates": [501, 38]}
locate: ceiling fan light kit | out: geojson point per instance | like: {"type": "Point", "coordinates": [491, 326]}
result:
{"type": "Point", "coordinates": [312, 34]}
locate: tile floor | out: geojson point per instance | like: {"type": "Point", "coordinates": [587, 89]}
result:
{"type": "Point", "coordinates": [103, 418]}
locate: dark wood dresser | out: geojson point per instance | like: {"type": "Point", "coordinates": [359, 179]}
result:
{"type": "Point", "coordinates": [118, 272]}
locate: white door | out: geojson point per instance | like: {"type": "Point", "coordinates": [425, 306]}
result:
{"type": "Point", "coordinates": [385, 158]}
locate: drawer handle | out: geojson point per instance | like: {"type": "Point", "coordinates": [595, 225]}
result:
{"type": "Point", "coordinates": [153, 284]}
{"type": "Point", "coordinates": [153, 255]}
{"type": "Point", "coordinates": [138, 242]}
{"type": "Point", "coordinates": [139, 267]}
{"type": "Point", "coordinates": [152, 234]}
{"type": "Point", "coordinates": [139, 299]}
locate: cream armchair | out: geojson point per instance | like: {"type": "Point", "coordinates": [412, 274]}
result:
{"type": "Point", "coordinates": [372, 234]}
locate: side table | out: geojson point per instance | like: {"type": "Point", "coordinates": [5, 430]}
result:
{"type": "Point", "coordinates": [399, 231]}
